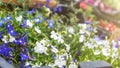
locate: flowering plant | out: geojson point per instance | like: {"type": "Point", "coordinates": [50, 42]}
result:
{"type": "Point", "coordinates": [33, 38]}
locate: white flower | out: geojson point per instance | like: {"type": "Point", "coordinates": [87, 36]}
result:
{"type": "Point", "coordinates": [37, 20]}
{"type": "Point", "coordinates": [71, 30]}
{"type": "Point", "coordinates": [37, 29]}
{"type": "Point", "coordinates": [55, 50]}
{"type": "Point", "coordinates": [81, 38]}
{"type": "Point", "coordinates": [82, 31]}
{"type": "Point", "coordinates": [40, 47]}
{"type": "Point", "coordinates": [82, 26]}
{"type": "Point", "coordinates": [96, 52]}
{"type": "Point", "coordinates": [11, 39]}
{"type": "Point", "coordinates": [27, 63]}
{"type": "Point", "coordinates": [56, 37]}
{"type": "Point", "coordinates": [89, 45]}
{"type": "Point", "coordinates": [19, 18]}
{"type": "Point", "coordinates": [67, 47]}
{"type": "Point", "coordinates": [60, 62]}
{"type": "Point", "coordinates": [73, 65]}
{"type": "Point", "coordinates": [29, 23]}
{"type": "Point", "coordinates": [4, 39]}
{"type": "Point", "coordinates": [106, 52]}
{"type": "Point", "coordinates": [36, 65]}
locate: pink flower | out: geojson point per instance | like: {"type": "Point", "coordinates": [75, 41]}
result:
{"type": "Point", "coordinates": [83, 5]}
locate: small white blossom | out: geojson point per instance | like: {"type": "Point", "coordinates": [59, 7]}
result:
{"type": "Point", "coordinates": [96, 52]}
{"type": "Point", "coordinates": [81, 38]}
{"type": "Point", "coordinates": [82, 26]}
{"type": "Point", "coordinates": [29, 23]}
{"type": "Point", "coordinates": [71, 30]}
{"type": "Point", "coordinates": [55, 50]}
{"type": "Point", "coordinates": [73, 65]}
{"type": "Point", "coordinates": [56, 37]}
{"type": "Point", "coordinates": [106, 52]}
{"type": "Point", "coordinates": [37, 20]}
{"type": "Point", "coordinates": [11, 39]}
{"type": "Point", "coordinates": [60, 61]}
{"type": "Point", "coordinates": [36, 65]}
{"type": "Point", "coordinates": [89, 45]}
{"type": "Point", "coordinates": [19, 18]}
{"type": "Point", "coordinates": [37, 29]}
{"type": "Point", "coordinates": [27, 63]}
{"type": "Point", "coordinates": [40, 47]}
{"type": "Point", "coordinates": [4, 39]}
{"type": "Point", "coordinates": [67, 47]}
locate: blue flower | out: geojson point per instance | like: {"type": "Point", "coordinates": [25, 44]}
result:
{"type": "Point", "coordinates": [60, 9]}
{"type": "Point", "coordinates": [12, 32]}
{"type": "Point", "coordinates": [37, 20]}
{"type": "Point", "coordinates": [9, 17]}
{"type": "Point", "coordinates": [57, 9]}
{"type": "Point", "coordinates": [6, 51]}
{"type": "Point", "coordinates": [22, 40]}
{"type": "Point", "coordinates": [9, 26]}
{"type": "Point", "coordinates": [24, 24]}
{"type": "Point", "coordinates": [24, 57]}
{"type": "Point", "coordinates": [51, 23]}
{"type": "Point", "coordinates": [10, 29]}
{"type": "Point", "coordinates": [28, 66]}
{"type": "Point", "coordinates": [89, 28]}
{"type": "Point", "coordinates": [75, 60]}
{"type": "Point", "coordinates": [31, 11]}
{"type": "Point", "coordinates": [1, 23]}
{"type": "Point", "coordinates": [1, 35]}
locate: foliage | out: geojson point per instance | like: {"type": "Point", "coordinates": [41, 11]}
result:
{"type": "Point", "coordinates": [34, 38]}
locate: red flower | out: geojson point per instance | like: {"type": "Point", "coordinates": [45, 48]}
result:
{"type": "Point", "coordinates": [83, 5]}
{"type": "Point", "coordinates": [110, 27]}
{"type": "Point", "coordinates": [102, 24]}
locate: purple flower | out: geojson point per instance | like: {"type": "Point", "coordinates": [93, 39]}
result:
{"type": "Point", "coordinates": [88, 22]}
{"type": "Point", "coordinates": [102, 36]}
{"type": "Point", "coordinates": [57, 9]}
{"type": "Point", "coordinates": [64, 67]}
{"type": "Point", "coordinates": [75, 60]}
{"type": "Point", "coordinates": [5, 50]}
{"type": "Point", "coordinates": [48, 1]}
{"type": "Point", "coordinates": [51, 23]}
{"type": "Point", "coordinates": [97, 38]}
{"type": "Point", "coordinates": [60, 9]}
{"type": "Point", "coordinates": [24, 57]}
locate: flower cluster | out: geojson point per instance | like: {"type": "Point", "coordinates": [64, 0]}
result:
{"type": "Point", "coordinates": [34, 38]}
